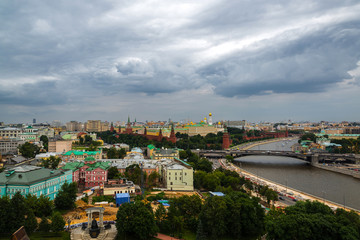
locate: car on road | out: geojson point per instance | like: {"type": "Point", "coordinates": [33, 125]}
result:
{"type": "Point", "coordinates": [281, 198]}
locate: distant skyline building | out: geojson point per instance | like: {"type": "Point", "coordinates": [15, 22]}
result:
{"type": "Point", "coordinates": [34, 120]}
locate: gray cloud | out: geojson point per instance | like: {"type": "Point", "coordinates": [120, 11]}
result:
{"type": "Point", "coordinates": [44, 93]}
{"type": "Point", "coordinates": [312, 63]}
{"type": "Point", "coordinates": [213, 49]}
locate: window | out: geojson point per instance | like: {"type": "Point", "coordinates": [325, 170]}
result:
{"type": "Point", "coordinates": [180, 178]}
{"type": "Point", "coordinates": [171, 183]}
{"type": "Point", "coordinates": [169, 178]}
{"type": "Point", "coordinates": [185, 174]}
{"type": "Point", "coordinates": [175, 178]}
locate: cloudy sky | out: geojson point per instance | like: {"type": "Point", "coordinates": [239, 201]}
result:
{"type": "Point", "coordinates": [257, 60]}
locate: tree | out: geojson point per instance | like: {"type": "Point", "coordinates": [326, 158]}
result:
{"type": "Point", "coordinates": [65, 199]}
{"type": "Point", "coordinates": [45, 141]}
{"type": "Point", "coordinates": [112, 153]}
{"type": "Point", "coordinates": [200, 235]}
{"type": "Point", "coordinates": [44, 225]}
{"type": "Point", "coordinates": [312, 220]}
{"type": "Point", "coordinates": [229, 158]}
{"type": "Point", "coordinates": [52, 162]}
{"type": "Point", "coordinates": [28, 150]}
{"type": "Point", "coordinates": [153, 179]}
{"type": "Point", "coordinates": [57, 222]}
{"type": "Point", "coordinates": [18, 211]}
{"type": "Point", "coordinates": [113, 173]}
{"type": "Point", "coordinates": [122, 153]}
{"type": "Point", "coordinates": [161, 219]}
{"type": "Point", "coordinates": [213, 217]}
{"type": "Point", "coordinates": [204, 165]}
{"type": "Point", "coordinates": [30, 222]}
{"type": "Point", "coordinates": [5, 214]}
{"type": "Point", "coordinates": [244, 215]}
{"type": "Point", "coordinates": [189, 207]}
{"type": "Point", "coordinates": [133, 173]}
{"type": "Point", "coordinates": [44, 206]}
{"type": "Point", "coordinates": [137, 220]}
{"type": "Point", "coordinates": [309, 136]}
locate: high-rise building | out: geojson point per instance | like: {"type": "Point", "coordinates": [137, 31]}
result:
{"type": "Point", "coordinates": [93, 126]}
{"type": "Point", "coordinates": [74, 126]}
{"type": "Point", "coordinates": [34, 120]}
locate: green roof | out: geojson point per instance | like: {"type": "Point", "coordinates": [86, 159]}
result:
{"type": "Point", "coordinates": [89, 159]}
{"type": "Point", "coordinates": [74, 166]}
{"type": "Point", "coordinates": [150, 146]}
{"type": "Point", "coordinates": [27, 175]}
{"type": "Point", "coordinates": [183, 162]}
{"type": "Point", "coordinates": [67, 136]}
{"type": "Point", "coordinates": [80, 153]}
{"type": "Point", "coordinates": [102, 165]}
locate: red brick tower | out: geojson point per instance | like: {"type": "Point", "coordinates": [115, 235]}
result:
{"type": "Point", "coordinates": [226, 139]}
{"type": "Point", "coordinates": [160, 137]}
{"type": "Point", "coordinates": [128, 129]}
{"type": "Point", "coordinates": [172, 137]}
{"type": "Point", "coordinates": [145, 131]}
{"type": "Point", "coordinates": [112, 127]}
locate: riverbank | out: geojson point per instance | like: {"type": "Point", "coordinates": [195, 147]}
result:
{"type": "Point", "coordinates": [285, 190]}
{"type": "Point", "coordinates": [338, 170]}
{"type": "Point", "coordinates": [247, 146]}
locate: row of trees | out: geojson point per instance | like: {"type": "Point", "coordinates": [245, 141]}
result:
{"type": "Point", "coordinates": [236, 215]}
{"type": "Point", "coordinates": [22, 211]}
{"type": "Point", "coordinates": [220, 180]}
{"type": "Point", "coordinates": [347, 145]}
{"type": "Point", "coordinates": [195, 161]}
{"type": "Point", "coordinates": [312, 221]}
{"type": "Point", "coordinates": [114, 153]}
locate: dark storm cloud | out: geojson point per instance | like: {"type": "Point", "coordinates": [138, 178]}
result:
{"type": "Point", "coordinates": [311, 64]}
{"type": "Point", "coordinates": [44, 93]}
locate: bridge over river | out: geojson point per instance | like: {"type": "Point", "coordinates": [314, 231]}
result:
{"type": "Point", "coordinates": [312, 158]}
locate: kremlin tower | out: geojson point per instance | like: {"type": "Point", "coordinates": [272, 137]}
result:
{"type": "Point", "coordinates": [226, 139]}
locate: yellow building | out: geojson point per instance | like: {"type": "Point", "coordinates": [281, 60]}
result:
{"type": "Point", "coordinates": [159, 153]}
{"type": "Point", "coordinates": [178, 176]}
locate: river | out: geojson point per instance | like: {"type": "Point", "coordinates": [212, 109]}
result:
{"type": "Point", "coordinates": [300, 175]}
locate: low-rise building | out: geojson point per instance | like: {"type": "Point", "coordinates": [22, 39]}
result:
{"type": "Point", "coordinates": [120, 186]}
{"type": "Point", "coordinates": [9, 132]}
{"type": "Point", "coordinates": [81, 155]}
{"type": "Point", "coordinates": [60, 146]}
{"type": "Point", "coordinates": [10, 146]}
{"type": "Point", "coordinates": [34, 180]}
{"type": "Point", "coordinates": [178, 176]}
{"type": "Point", "coordinates": [160, 153]}
{"type": "Point", "coordinates": [88, 173]}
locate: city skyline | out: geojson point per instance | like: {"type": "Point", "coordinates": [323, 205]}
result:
{"type": "Point", "coordinates": [152, 60]}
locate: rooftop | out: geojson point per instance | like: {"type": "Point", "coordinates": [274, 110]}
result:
{"type": "Point", "coordinates": [27, 175]}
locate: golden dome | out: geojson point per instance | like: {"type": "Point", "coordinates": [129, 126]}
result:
{"type": "Point", "coordinates": [210, 114]}
{"type": "Point", "coordinates": [204, 118]}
